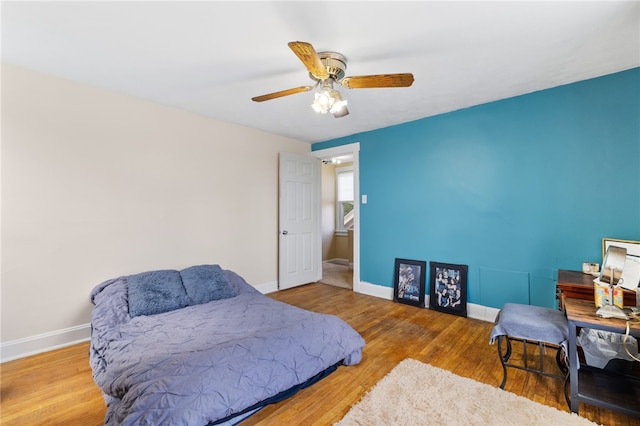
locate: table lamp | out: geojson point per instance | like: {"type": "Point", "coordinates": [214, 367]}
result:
{"type": "Point", "coordinates": [611, 273]}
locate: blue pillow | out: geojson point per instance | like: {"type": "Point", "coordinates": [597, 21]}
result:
{"type": "Point", "coordinates": [204, 283]}
{"type": "Point", "coordinates": [156, 292]}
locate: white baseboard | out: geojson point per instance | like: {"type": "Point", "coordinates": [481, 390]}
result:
{"type": "Point", "coordinates": [338, 261]}
{"type": "Point", "coordinates": [484, 313]}
{"type": "Point", "coordinates": [480, 312]}
{"type": "Point", "coordinates": [374, 290]}
{"type": "Point", "coordinates": [267, 287]}
{"type": "Point", "coordinates": [44, 342]}
{"type": "Point", "coordinates": [33, 345]}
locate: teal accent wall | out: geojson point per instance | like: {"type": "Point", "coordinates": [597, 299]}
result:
{"type": "Point", "coordinates": [515, 189]}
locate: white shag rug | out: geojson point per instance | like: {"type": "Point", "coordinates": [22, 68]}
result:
{"type": "Point", "coordinates": [414, 393]}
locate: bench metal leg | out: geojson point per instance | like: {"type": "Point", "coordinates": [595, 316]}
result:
{"type": "Point", "coordinates": [505, 351]}
{"type": "Point", "coordinates": [504, 358]}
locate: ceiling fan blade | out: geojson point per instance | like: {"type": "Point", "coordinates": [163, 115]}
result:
{"type": "Point", "coordinates": [309, 57]}
{"type": "Point", "coordinates": [282, 93]}
{"type": "Point", "coordinates": [381, 80]}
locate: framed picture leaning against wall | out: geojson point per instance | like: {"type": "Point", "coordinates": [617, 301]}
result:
{"type": "Point", "coordinates": [409, 282]}
{"type": "Point", "coordinates": [448, 288]}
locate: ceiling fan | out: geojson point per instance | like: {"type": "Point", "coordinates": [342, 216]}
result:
{"type": "Point", "coordinates": [327, 68]}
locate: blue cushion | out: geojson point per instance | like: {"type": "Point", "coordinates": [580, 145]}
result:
{"type": "Point", "coordinates": [156, 292]}
{"type": "Point", "coordinates": [204, 283]}
{"type": "Point", "coordinates": [531, 323]}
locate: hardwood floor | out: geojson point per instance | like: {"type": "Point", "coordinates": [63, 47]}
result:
{"type": "Point", "coordinates": [56, 388]}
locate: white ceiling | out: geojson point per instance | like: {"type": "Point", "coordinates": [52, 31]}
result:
{"type": "Point", "coordinates": [213, 57]}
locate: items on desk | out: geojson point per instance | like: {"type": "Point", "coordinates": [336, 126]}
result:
{"type": "Point", "coordinates": [631, 272]}
{"type": "Point", "coordinates": [611, 276]}
{"type": "Point", "coordinates": [591, 268]}
{"type": "Point", "coordinates": [602, 295]}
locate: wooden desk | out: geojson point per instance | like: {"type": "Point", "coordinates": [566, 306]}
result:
{"type": "Point", "coordinates": [591, 385]}
{"type": "Point", "coordinates": [576, 285]}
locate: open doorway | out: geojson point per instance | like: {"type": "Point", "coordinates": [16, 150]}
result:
{"type": "Point", "coordinates": [340, 216]}
{"type": "Point", "coordinates": [337, 218]}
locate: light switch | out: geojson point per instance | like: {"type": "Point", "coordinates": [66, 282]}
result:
{"type": "Point", "coordinates": [364, 198]}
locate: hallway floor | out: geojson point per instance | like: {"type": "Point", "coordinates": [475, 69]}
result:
{"type": "Point", "coordinates": [337, 275]}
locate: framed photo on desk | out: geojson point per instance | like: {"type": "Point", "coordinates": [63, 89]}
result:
{"type": "Point", "coordinates": [633, 247]}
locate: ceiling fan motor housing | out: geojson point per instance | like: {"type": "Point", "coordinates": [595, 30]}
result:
{"type": "Point", "coordinates": [335, 63]}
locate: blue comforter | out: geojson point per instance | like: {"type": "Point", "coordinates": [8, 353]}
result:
{"type": "Point", "coordinates": [201, 363]}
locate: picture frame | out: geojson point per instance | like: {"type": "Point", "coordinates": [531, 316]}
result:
{"type": "Point", "coordinates": [409, 282]}
{"type": "Point", "coordinates": [633, 247]}
{"type": "Point", "coordinates": [448, 288]}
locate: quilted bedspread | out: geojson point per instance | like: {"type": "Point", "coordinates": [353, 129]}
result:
{"type": "Point", "coordinates": [198, 364]}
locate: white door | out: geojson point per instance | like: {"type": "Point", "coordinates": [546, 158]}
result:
{"type": "Point", "coordinates": [300, 239]}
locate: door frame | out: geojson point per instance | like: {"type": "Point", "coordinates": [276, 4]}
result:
{"type": "Point", "coordinates": [354, 150]}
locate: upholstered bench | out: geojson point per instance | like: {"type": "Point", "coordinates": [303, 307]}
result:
{"type": "Point", "coordinates": [544, 327]}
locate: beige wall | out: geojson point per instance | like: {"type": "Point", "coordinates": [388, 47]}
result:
{"type": "Point", "coordinates": [97, 185]}
{"type": "Point", "coordinates": [344, 246]}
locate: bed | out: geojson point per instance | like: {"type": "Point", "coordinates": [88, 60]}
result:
{"type": "Point", "coordinates": [201, 346]}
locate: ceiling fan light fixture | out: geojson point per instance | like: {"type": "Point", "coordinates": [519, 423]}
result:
{"type": "Point", "coordinates": [341, 112]}
{"type": "Point", "coordinates": [322, 101]}
{"type": "Point", "coordinates": [328, 100]}
{"type": "Point", "coordinates": [339, 104]}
